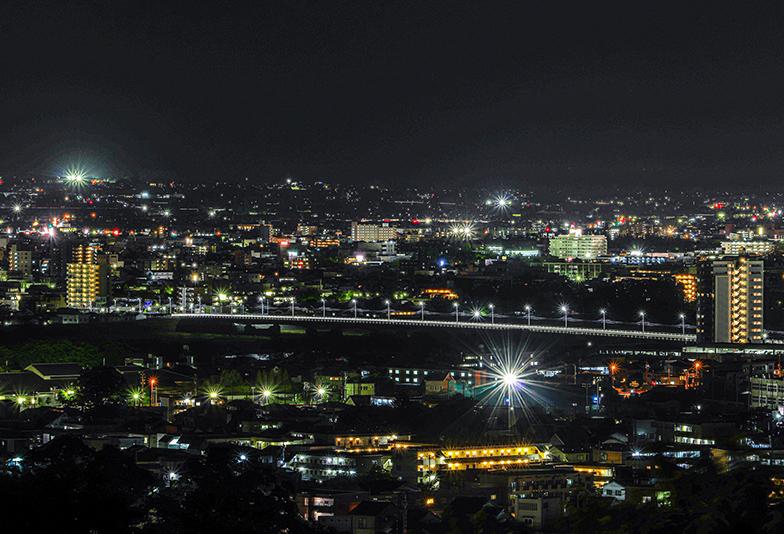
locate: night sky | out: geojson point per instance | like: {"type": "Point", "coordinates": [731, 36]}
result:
{"type": "Point", "coordinates": [524, 93]}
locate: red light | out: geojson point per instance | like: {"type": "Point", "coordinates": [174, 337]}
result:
{"type": "Point", "coordinates": [116, 232]}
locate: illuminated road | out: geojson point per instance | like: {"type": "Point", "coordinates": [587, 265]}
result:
{"type": "Point", "coordinates": [470, 325]}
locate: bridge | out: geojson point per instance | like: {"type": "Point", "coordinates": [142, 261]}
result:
{"type": "Point", "coordinates": [431, 323]}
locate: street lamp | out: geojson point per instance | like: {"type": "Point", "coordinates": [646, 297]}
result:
{"type": "Point", "coordinates": [642, 320]}
{"type": "Point", "coordinates": [354, 302]}
{"type": "Point", "coordinates": [323, 308]}
{"type": "Point", "coordinates": [477, 313]}
{"type": "Point", "coordinates": [604, 318]}
{"type": "Point", "coordinates": [492, 314]}
{"type": "Point", "coordinates": [292, 306]}
{"type": "Point", "coordinates": [565, 311]}
{"type": "Point", "coordinates": [683, 323]}
{"type": "Point", "coordinates": [422, 308]}
{"type": "Point", "coordinates": [389, 311]}
{"type": "Point", "coordinates": [528, 313]}
{"type": "Point", "coordinates": [457, 312]}
{"type": "Point", "coordinates": [613, 367]}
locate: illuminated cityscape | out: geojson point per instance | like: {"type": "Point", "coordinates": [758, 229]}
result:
{"type": "Point", "coordinates": [372, 268]}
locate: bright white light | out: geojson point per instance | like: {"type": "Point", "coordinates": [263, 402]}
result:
{"type": "Point", "coordinates": [76, 176]}
{"type": "Point", "coordinates": [17, 208]}
{"type": "Point", "coordinates": [510, 379]}
{"type": "Point", "coordinates": [502, 201]}
{"type": "Point", "coordinates": [464, 231]}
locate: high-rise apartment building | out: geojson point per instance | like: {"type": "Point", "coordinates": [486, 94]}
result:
{"type": "Point", "coordinates": [575, 245]}
{"type": "Point", "coordinates": [20, 261]}
{"type": "Point", "coordinates": [87, 277]}
{"type": "Point", "coordinates": [730, 300]}
{"type": "Point", "coordinates": [372, 232]}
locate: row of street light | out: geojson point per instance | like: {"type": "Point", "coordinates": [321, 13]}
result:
{"type": "Point", "coordinates": [476, 314]}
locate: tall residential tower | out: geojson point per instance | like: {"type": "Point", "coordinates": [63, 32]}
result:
{"type": "Point", "coordinates": [730, 308]}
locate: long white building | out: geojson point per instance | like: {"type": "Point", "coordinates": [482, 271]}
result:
{"type": "Point", "coordinates": [372, 232]}
{"type": "Point", "coordinates": [578, 246]}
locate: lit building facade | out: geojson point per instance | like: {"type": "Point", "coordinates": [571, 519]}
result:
{"type": "Point", "coordinates": [766, 392]}
{"type": "Point", "coordinates": [748, 247]}
{"type": "Point", "coordinates": [372, 232]}
{"type": "Point", "coordinates": [20, 261]}
{"type": "Point", "coordinates": [687, 283]}
{"type": "Point", "coordinates": [578, 246]}
{"type": "Point", "coordinates": [575, 271]}
{"type": "Point", "coordinates": [433, 461]}
{"type": "Point", "coordinates": [87, 277]}
{"type": "Point", "coordinates": [731, 307]}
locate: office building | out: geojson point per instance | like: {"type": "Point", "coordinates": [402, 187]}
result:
{"type": "Point", "coordinates": [730, 301]}
{"type": "Point", "coordinates": [372, 232]}
{"type": "Point", "coordinates": [575, 245]}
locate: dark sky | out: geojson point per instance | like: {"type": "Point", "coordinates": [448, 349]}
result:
{"type": "Point", "coordinates": [528, 93]}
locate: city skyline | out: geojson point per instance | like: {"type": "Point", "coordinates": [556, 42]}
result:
{"type": "Point", "coordinates": [346, 267]}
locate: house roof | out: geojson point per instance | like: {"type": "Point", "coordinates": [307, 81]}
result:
{"type": "Point", "coordinates": [371, 508]}
{"type": "Point", "coordinates": [49, 371]}
{"type": "Point", "coordinates": [22, 382]}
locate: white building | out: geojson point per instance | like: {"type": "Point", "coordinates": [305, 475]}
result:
{"type": "Point", "coordinates": [735, 248]}
{"type": "Point", "coordinates": [614, 490]}
{"type": "Point", "coordinates": [766, 392]}
{"type": "Point", "coordinates": [372, 232]}
{"type": "Point", "coordinates": [738, 300]}
{"type": "Point", "coordinates": [575, 245]}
